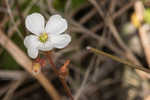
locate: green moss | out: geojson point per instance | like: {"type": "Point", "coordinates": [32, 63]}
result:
{"type": "Point", "coordinates": [34, 9]}
{"type": "Point", "coordinates": [7, 62]}
{"type": "Point", "coordinates": [77, 3]}
{"type": "Point", "coordinates": [60, 4]}
{"type": "Point", "coordinates": [17, 40]}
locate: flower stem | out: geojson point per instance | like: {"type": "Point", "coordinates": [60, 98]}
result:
{"type": "Point", "coordinates": [118, 59]}
{"type": "Point", "coordinates": [62, 79]}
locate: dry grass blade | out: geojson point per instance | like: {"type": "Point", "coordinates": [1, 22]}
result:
{"type": "Point", "coordinates": [119, 59]}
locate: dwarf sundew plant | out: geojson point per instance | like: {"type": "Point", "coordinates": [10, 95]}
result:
{"type": "Point", "coordinates": [45, 38]}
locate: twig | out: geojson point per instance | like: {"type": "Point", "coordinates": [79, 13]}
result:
{"type": "Point", "coordinates": [67, 6]}
{"type": "Point", "coordinates": [112, 6]}
{"type": "Point", "coordinates": [119, 59]}
{"type": "Point", "coordinates": [97, 8]}
{"type": "Point", "coordinates": [84, 30]}
{"type": "Point", "coordinates": [85, 18]}
{"type": "Point", "coordinates": [123, 9]}
{"type": "Point", "coordinates": [12, 75]}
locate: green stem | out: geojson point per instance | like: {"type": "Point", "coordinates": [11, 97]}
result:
{"type": "Point", "coordinates": [118, 59]}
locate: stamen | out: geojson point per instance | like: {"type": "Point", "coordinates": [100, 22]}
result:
{"type": "Point", "coordinates": [43, 37]}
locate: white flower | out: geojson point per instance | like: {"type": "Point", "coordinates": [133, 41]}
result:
{"type": "Point", "coordinates": [47, 37]}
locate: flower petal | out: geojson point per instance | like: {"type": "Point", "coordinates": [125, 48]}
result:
{"type": "Point", "coordinates": [56, 25]}
{"type": "Point", "coordinates": [46, 46]}
{"type": "Point", "coordinates": [35, 23]}
{"type": "Point", "coordinates": [31, 41]}
{"type": "Point", "coordinates": [33, 52]}
{"type": "Point", "coordinates": [60, 41]}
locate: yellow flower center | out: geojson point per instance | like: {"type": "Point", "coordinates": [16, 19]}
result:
{"type": "Point", "coordinates": [43, 37]}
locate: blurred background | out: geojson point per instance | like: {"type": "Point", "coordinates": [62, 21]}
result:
{"type": "Point", "coordinates": [118, 27]}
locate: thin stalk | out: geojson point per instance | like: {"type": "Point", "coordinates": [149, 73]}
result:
{"type": "Point", "coordinates": [118, 59]}
{"type": "Point", "coordinates": [68, 91]}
